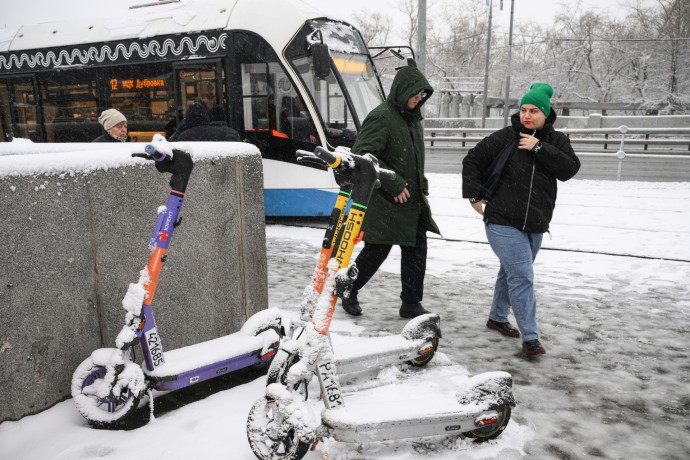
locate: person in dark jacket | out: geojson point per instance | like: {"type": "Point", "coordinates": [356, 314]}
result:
{"type": "Point", "coordinates": [114, 127]}
{"type": "Point", "coordinates": [197, 127]}
{"type": "Point", "coordinates": [217, 117]}
{"type": "Point", "coordinates": [519, 212]}
{"type": "Point", "coordinates": [398, 212]}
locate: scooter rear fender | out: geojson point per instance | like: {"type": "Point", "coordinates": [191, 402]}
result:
{"type": "Point", "coordinates": [490, 389]}
{"type": "Point", "coordinates": [423, 327]}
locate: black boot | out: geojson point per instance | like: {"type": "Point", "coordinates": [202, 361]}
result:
{"type": "Point", "coordinates": [412, 310]}
{"type": "Point", "coordinates": [533, 348]}
{"type": "Point", "coordinates": [351, 304]}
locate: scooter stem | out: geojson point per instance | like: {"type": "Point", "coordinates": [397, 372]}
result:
{"type": "Point", "coordinates": [364, 177]}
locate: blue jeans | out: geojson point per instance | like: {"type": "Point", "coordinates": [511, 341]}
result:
{"type": "Point", "coordinates": [516, 251]}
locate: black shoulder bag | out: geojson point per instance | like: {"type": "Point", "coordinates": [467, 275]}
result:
{"type": "Point", "coordinates": [492, 175]}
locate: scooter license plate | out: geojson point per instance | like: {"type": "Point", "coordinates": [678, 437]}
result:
{"type": "Point", "coordinates": [330, 385]}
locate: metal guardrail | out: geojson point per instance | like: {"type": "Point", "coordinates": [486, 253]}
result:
{"type": "Point", "coordinates": [621, 142]}
{"type": "Point", "coordinates": [653, 141]}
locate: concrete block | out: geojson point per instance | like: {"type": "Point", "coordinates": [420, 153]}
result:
{"type": "Point", "coordinates": [75, 229]}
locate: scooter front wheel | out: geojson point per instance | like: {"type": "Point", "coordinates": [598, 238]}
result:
{"type": "Point", "coordinates": [495, 429]}
{"type": "Point", "coordinates": [102, 412]}
{"type": "Point", "coordinates": [267, 436]}
{"type": "Point", "coordinates": [279, 369]}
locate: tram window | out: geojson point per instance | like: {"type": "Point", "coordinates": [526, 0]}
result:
{"type": "Point", "coordinates": [26, 109]}
{"type": "Point", "coordinates": [5, 114]}
{"type": "Point", "coordinates": [329, 99]}
{"type": "Point", "coordinates": [257, 95]}
{"type": "Point", "coordinates": [70, 106]}
{"type": "Point", "coordinates": [259, 73]}
{"type": "Point", "coordinates": [198, 84]}
{"type": "Point", "coordinates": [144, 94]}
{"type": "Point", "coordinates": [359, 77]}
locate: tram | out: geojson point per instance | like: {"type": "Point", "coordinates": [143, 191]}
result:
{"type": "Point", "coordinates": [287, 77]}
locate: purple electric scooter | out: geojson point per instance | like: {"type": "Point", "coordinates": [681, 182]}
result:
{"type": "Point", "coordinates": [108, 386]}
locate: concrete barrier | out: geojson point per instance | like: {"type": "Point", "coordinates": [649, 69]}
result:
{"type": "Point", "coordinates": [75, 226]}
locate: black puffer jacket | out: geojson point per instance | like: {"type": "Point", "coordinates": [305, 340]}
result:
{"type": "Point", "coordinates": [198, 127]}
{"type": "Point", "coordinates": [106, 137]}
{"type": "Point", "coordinates": [526, 195]}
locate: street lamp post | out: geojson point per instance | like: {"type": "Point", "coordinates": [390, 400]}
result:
{"type": "Point", "coordinates": [485, 103]}
{"type": "Point", "coordinates": [506, 100]}
{"type": "Point", "coordinates": [421, 36]}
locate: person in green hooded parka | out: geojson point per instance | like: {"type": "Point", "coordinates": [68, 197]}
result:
{"type": "Point", "coordinates": [398, 212]}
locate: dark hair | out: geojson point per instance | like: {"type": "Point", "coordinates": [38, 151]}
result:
{"type": "Point", "coordinates": [217, 113]}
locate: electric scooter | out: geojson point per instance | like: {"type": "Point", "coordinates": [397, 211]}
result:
{"type": "Point", "coordinates": [281, 424]}
{"type": "Point", "coordinates": [419, 339]}
{"type": "Point", "coordinates": [108, 386]}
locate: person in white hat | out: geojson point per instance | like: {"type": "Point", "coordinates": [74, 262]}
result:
{"type": "Point", "coordinates": [114, 127]}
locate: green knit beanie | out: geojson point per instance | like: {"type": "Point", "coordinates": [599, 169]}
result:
{"type": "Point", "coordinates": [539, 94]}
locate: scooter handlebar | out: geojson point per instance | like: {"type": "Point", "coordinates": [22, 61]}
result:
{"type": "Point", "coordinates": [177, 162]}
{"type": "Point", "coordinates": [159, 152]}
{"type": "Point", "coordinates": [334, 160]}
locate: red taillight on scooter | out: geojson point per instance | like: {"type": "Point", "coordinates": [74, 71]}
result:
{"type": "Point", "coordinates": [485, 422]}
{"type": "Point", "coordinates": [426, 350]}
{"type": "Point", "coordinates": [270, 354]}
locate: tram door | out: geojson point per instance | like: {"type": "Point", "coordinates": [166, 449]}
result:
{"type": "Point", "coordinates": [198, 82]}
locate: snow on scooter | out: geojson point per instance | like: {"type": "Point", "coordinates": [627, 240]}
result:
{"type": "Point", "coordinates": [282, 424]}
{"type": "Point", "coordinates": [416, 344]}
{"type": "Point", "coordinates": [108, 386]}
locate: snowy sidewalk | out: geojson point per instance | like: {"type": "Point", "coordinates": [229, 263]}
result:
{"type": "Point", "coordinates": [615, 382]}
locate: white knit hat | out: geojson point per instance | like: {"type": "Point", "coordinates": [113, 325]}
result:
{"type": "Point", "coordinates": [110, 118]}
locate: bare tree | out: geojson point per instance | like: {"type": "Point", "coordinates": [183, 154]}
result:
{"type": "Point", "coordinates": [585, 55]}
{"type": "Point", "coordinates": [409, 9]}
{"type": "Point", "coordinates": [374, 26]}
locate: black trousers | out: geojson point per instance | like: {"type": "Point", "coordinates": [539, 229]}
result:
{"type": "Point", "coordinates": [412, 265]}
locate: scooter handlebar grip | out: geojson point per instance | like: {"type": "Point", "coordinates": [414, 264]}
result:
{"type": "Point", "coordinates": [332, 160]}
{"type": "Point", "coordinates": [158, 152]}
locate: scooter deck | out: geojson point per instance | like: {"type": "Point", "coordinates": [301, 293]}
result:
{"type": "Point", "coordinates": [188, 365]}
{"type": "Point", "coordinates": [398, 420]}
{"type": "Point", "coordinates": [355, 354]}
{"type": "Point", "coordinates": [427, 408]}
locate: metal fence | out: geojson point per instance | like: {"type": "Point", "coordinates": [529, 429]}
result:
{"type": "Point", "coordinates": [651, 153]}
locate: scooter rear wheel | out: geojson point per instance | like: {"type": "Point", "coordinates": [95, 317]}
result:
{"type": "Point", "coordinates": [425, 358]}
{"type": "Point", "coordinates": [268, 446]}
{"type": "Point", "coordinates": [495, 429]}
{"type": "Point", "coordinates": [101, 412]}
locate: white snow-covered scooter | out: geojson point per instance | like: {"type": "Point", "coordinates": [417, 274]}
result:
{"type": "Point", "coordinates": [418, 341]}
{"type": "Point", "coordinates": [282, 425]}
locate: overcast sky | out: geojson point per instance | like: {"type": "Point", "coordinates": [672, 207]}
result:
{"type": "Point", "coordinates": [14, 12]}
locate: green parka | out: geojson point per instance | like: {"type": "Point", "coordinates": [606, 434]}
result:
{"type": "Point", "coordinates": [395, 136]}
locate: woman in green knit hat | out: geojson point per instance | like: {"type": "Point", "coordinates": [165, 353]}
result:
{"type": "Point", "coordinates": [518, 210]}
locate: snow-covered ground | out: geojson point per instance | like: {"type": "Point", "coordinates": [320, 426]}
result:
{"type": "Point", "coordinates": [613, 287]}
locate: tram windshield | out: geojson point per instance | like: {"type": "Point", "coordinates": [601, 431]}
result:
{"type": "Point", "coordinates": [350, 90]}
